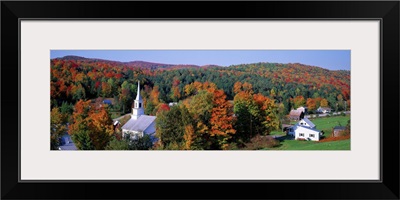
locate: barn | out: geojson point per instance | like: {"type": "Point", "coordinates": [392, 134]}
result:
{"type": "Point", "coordinates": [296, 115]}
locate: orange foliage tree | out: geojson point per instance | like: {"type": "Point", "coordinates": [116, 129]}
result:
{"type": "Point", "coordinates": [91, 127]}
{"type": "Point", "coordinates": [221, 119]}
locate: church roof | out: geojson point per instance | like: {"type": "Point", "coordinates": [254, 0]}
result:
{"type": "Point", "coordinates": [141, 124]}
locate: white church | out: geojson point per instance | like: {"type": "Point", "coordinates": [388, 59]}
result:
{"type": "Point", "coordinates": [139, 124]}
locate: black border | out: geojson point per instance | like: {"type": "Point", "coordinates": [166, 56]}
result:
{"type": "Point", "coordinates": [386, 11]}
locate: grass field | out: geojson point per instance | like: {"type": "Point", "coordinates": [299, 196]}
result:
{"type": "Point", "coordinates": [324, 124]}
{"type": "Point", "coordinates": [311, 145]}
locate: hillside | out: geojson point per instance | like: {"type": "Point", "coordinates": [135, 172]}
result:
{"type": "Point", "coordinates": [74, 78]}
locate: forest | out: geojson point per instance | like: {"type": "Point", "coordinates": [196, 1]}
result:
{"type": "Point", "coordinates": [217, 104]}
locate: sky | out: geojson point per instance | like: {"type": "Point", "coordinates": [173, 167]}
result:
{"type": "Point", "coordinates": [329, 59]}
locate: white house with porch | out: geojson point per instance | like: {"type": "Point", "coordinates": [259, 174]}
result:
{"type": "Point", "coordinates": [139, 124]}
{"type": "Point", "coordinates": [306, 130]}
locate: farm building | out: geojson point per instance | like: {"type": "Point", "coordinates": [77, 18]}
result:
{"type": "Point", "coordinates": [338, 130]}
{"type": "Point", "coordinates": [324, 110]}
{"type": "Point", "coordinates": [306, 130]}
{"type": "Point", "coordinates": [296, 115]}
{"type": "Point", "coordinates": [139, 124]}
{"type": "Point", "coordinates": [303, 109]}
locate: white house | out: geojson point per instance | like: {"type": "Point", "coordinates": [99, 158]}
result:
{"type": "Point", "coordinates": [139, 124]}
{"type": "Point", "coordinates": [307, 122]}
{"type": "Point", "coordinates": [306, 130]}
{"type": "Point", "coordinates": [172, 104]}
{"type": "Point", "coordinates": [324, 110]}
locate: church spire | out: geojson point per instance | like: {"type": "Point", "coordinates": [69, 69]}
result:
{"type": "Point", "coordinates": [138, 96]}
{"type": "Point", "coordinates": [137, 109]}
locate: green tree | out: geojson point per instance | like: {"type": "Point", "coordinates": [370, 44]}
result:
{"type": "Point", "coordinates": [116, 144]}
{"type": "Point", "coordinates": [82, 139]}
{"type": "Point", "coordinates": [149, 108]}
{"type": "Point", "coordinates": [170, 125]}
{"type": "Point", "coordinates": [142, 143]}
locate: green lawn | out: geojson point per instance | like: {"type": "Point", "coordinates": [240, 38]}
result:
{"type": "Point", "coordinates": [311, 145]}
{"type": "Point", "coordinates": [324, 124]}
{"type": "Point", "coordinates": [327, 123]}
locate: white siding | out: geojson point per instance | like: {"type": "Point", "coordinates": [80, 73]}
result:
{"type": "Point", "coordinates": [306, 134]}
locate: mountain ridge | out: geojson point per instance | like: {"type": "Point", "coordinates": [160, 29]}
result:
{"type": "Point", "coordinates": [156, 65]}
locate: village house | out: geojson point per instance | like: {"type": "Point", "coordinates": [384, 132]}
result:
{"type": "Point", "coordinates": [172, 104]}
{"type": "Point", "coordinates": [139, 124]}
{"type": "Point", "coordinates": [305, 130]}
{"type": "Point", "coordinates": [324, 110]}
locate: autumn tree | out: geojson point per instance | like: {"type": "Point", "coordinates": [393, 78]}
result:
{"type": "Point", "coordinates": [271, 119]}
{"type": "Point", "coordinates": [237, 87]}
{"type": "Point", "coordinates": [200, 108]}
{"type": "Point", "coordinates": [324, 103]}
{"type": "Point", "coordinates": [311, 104]}
{"type": "Point", "coordinates": [299, 101]}
{"type": "Point", "coordinates": [256, 114]}
{"type": "Point", "coordinates": [57, 128]}
{"type": "Point", "coordinates": [91, 127]}
{"type": "Point", "coordinates": [101, 127]}
{"type": "Point", "coordinates": [221, 119]}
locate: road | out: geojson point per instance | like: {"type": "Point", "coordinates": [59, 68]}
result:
{"type": "Point", "coordinates": [119, 118]}
{"type": "Point", "coordinates": [324, 115]}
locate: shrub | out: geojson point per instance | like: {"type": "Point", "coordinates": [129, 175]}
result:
{"type": "Point", "coordinates": [142, 143]}
{"type": "Point", "coordinates": [260, 142]}
{"type": "Point", "coordinates": [232, 146]}
{"type": "Point", "coordinates": [117, 144]}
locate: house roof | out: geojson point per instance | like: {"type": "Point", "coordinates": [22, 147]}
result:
{"type": "Point", "coordinates": [141, 124]}
{"type": "Point", "coordinates": [67, 143]}
{"type": "Point", "coordinates": [308, 128]}
{"type": "Point", "coordinates": [309, 122]}
{"type": "Point", "coordinates": [107, 101]}
{"type": "Point", "coordinates": [295, 112]}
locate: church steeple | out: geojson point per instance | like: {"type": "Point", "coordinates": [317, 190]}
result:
{"type": "Point", "coordinates": [137, 109]}
{"type": "Point", "coordinates": [138, 96]}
